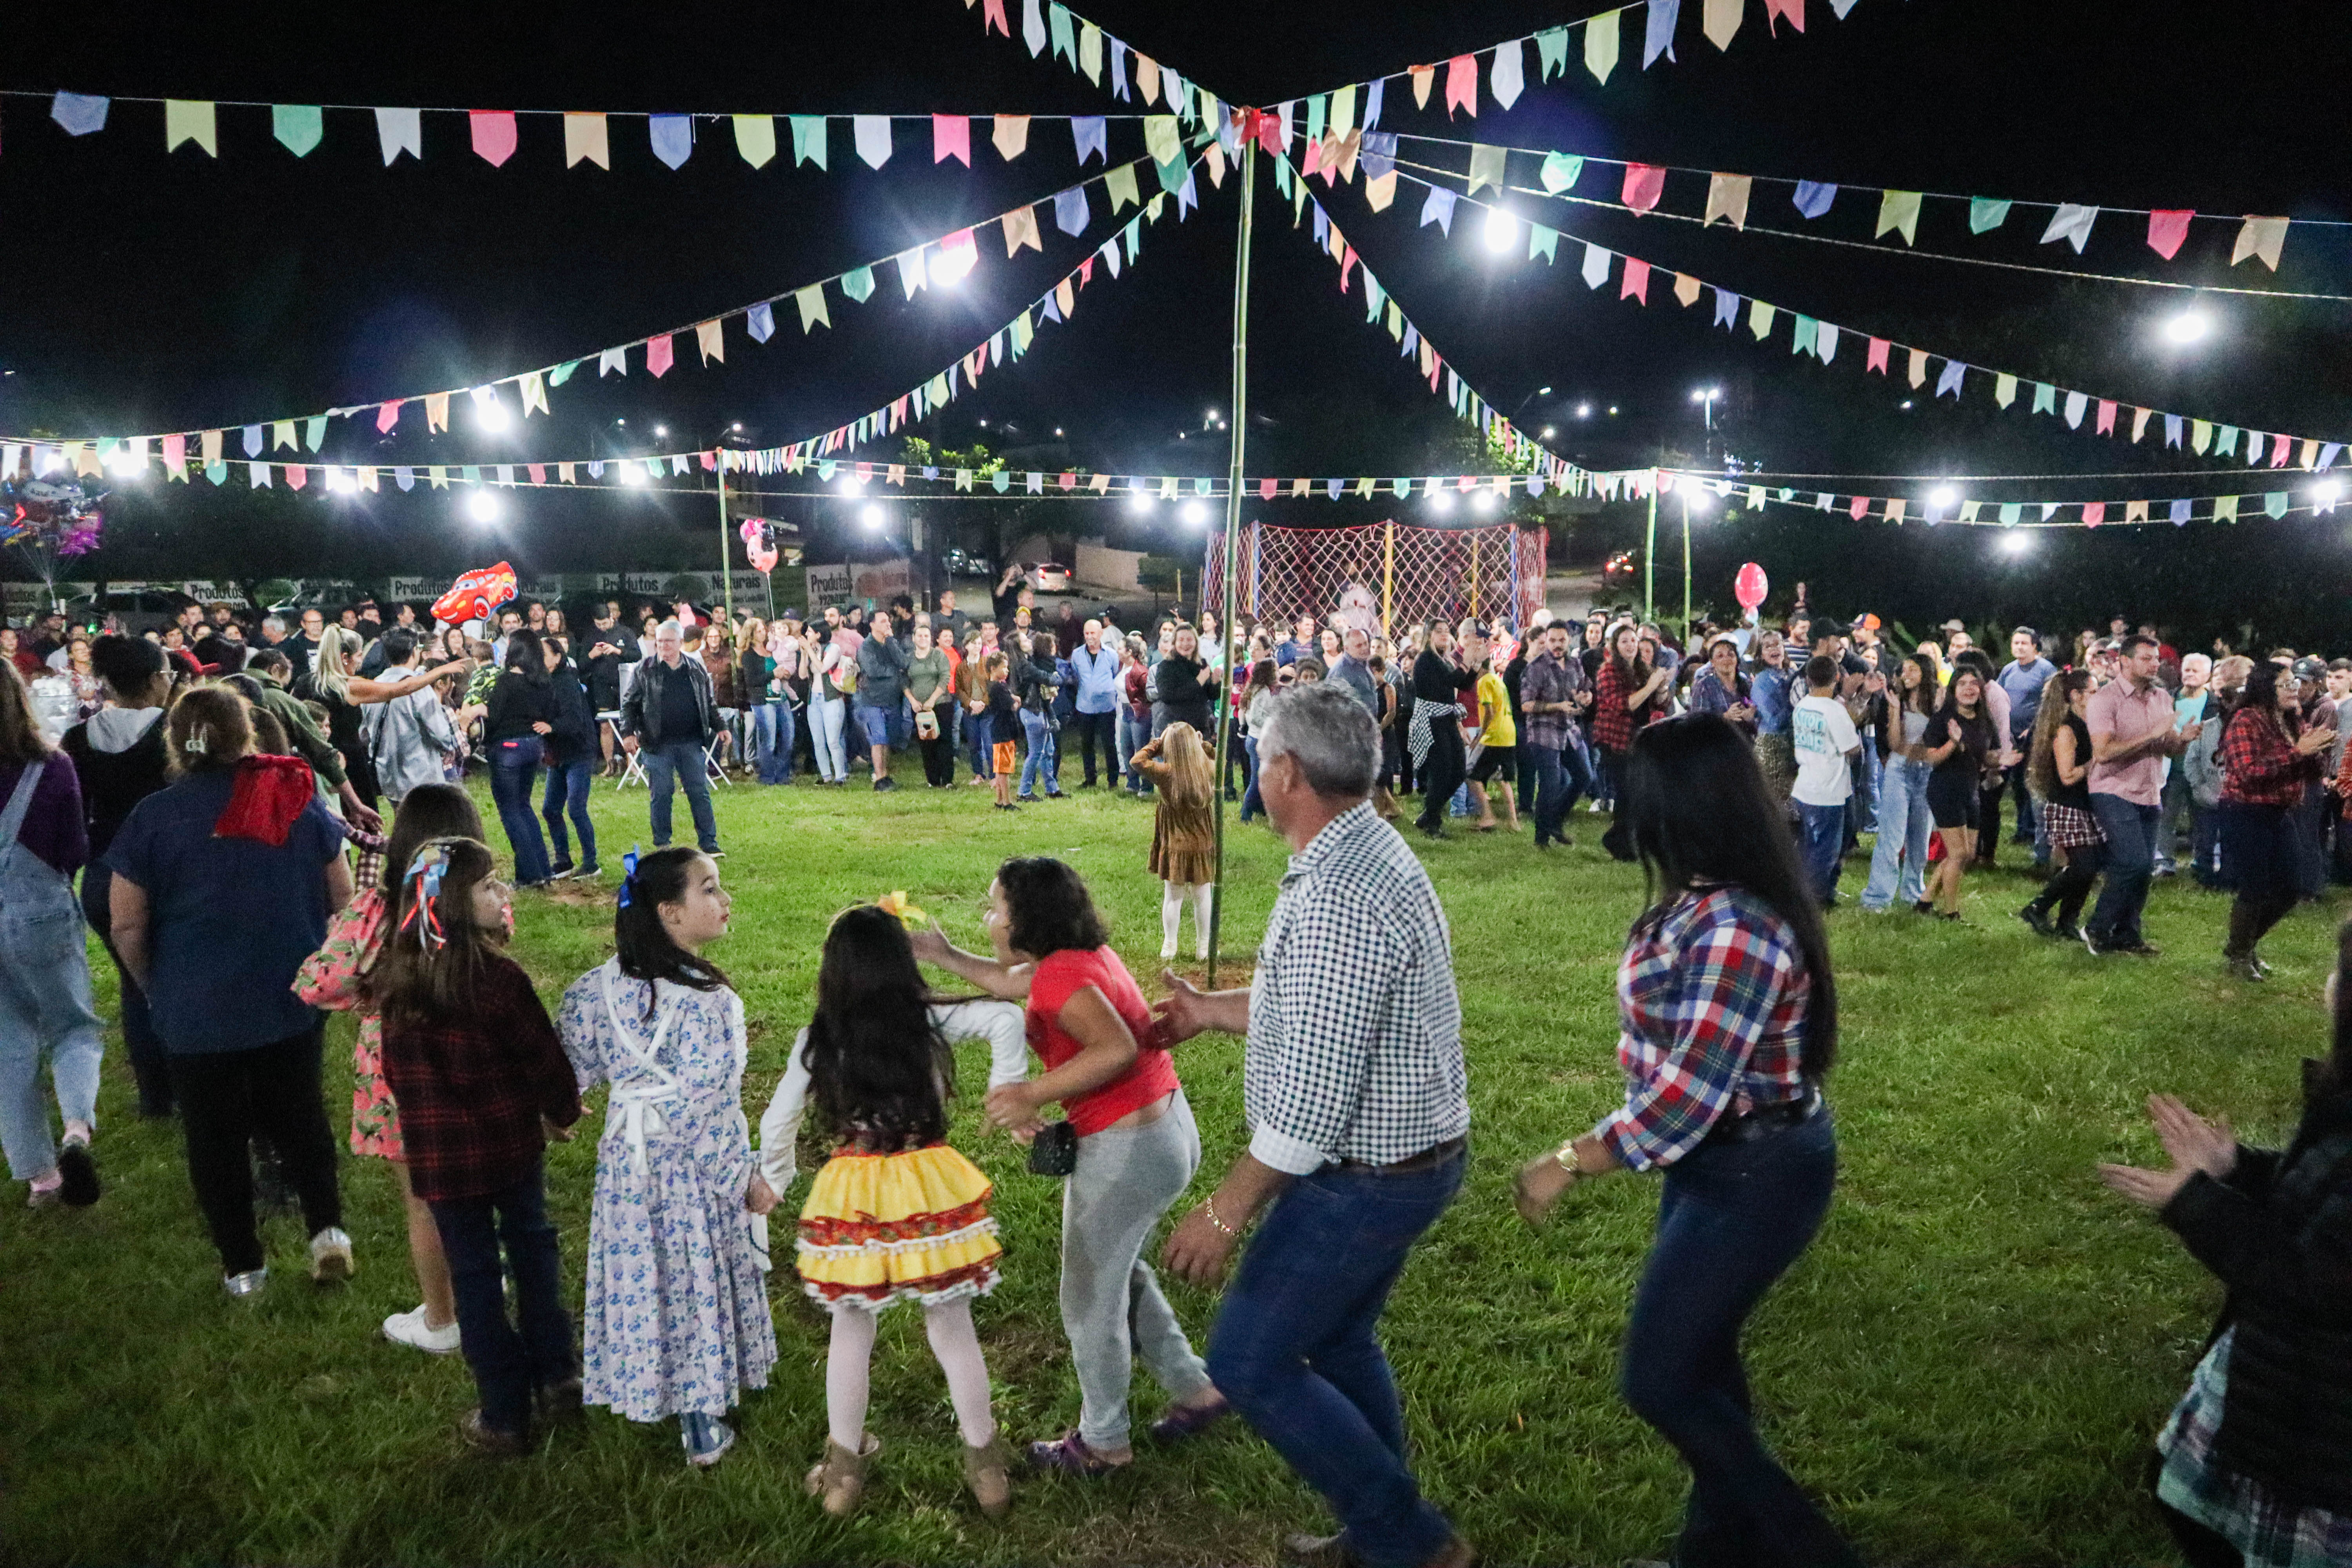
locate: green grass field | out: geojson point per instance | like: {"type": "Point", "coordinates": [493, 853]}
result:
{"type": "Point", "coordinates": [1967, 1366]}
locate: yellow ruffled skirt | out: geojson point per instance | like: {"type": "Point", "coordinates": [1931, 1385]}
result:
{"type": "Point", "coordinates": [879, 1228]}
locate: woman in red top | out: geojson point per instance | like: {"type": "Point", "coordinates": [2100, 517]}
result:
{"type": "Point", "coordinates": [2267, 760]}
{"type": "Point", "coordinates": [1137, 1149]}
{"type": "Point", "coordinates": [1627, 693]}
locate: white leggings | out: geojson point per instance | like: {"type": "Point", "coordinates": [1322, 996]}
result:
{"type": "Point", "coordinates": [953, 1340]}
{"type": "Point", "coordinates": [1173, 897]}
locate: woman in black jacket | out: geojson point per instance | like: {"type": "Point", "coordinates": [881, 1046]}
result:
{"type": "Point", "coordinates": [2257, 1457]}
{"type": "Point", "coordinates": [1439, 684]}
{"type": "Point", "coordinates": [570, 763]}
{"type": "Point", "coordinates": [519, 717]}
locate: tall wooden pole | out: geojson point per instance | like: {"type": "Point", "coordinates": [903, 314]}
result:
{"type": "Point", "coordinates": [1225, 706]}
{"type": "Point", "coordinates": [726, 616]}
{"type": "Point", "coordinates": [1650, 557]}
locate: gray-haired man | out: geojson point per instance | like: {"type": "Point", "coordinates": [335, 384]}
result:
{"type": "Point", "coordinates": [1355, 1090]}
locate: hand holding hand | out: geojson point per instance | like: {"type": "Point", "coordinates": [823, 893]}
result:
{"type": "Point", "coordinates": [541, 727]}
{"type": "Point", "coordinates": [558, 1134]}
{"type": "Point", "coordinates": [1011, 1105]}
{"type": "Point", "coordinates": [759, 1197]}
{"type": "Point", "coordinates": [365, 818]}
{"type": "Point", "coordinates": [1537, 1186]}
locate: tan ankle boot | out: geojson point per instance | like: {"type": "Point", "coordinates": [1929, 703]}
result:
{"type": "Point", "coordinates": [988, 1471]}
{"type": "Point", "coordinates": [839, 1479]}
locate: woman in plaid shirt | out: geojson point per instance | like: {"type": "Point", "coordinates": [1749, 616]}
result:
{"type": "Point", "coordinates": [1731, 1023]}
{"type": "Point", "coordinates": [2267, 759]}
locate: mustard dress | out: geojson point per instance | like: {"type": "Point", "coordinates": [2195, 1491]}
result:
{"type": "Point", "coordinates": [911, 1224]}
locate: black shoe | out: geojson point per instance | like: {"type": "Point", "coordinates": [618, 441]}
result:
{"type": "Point", "coordinates": [2140, 950]}
{"type": "Point", "coordinates": [561, 872]}
{"type": "Point", "coordinates": [2038, 917]}
{"type": "Point", "coordinates": [589, 871]}
{"type": "Point", "coordinates": [556, 1404]}
{"type": "Point", "coordinates": [2093, 945]}
{"type": "Point", "coordinates": [2065, 932]}
{"type": "Point", "coordinates": [2244, 968]}
{"type": "Point", "coordinates": [81, 1173]}
{"type": "Point", "coordinates": [1924, 907]}
{"type": "Point", "coordinates": [885, 785]}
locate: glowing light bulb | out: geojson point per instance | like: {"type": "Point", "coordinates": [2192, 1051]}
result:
{"type": "Point", "coordinates": [1502, 228]}
{"type": "Point", "coordinates": [482, 506]}
{"type": "Point", "coordinates": [2192, 326]}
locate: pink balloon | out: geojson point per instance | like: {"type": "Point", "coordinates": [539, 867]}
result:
{"type": "Point", "coordinates": [1750, 586]}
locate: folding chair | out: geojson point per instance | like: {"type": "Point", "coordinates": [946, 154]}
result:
{"type": "Point", "coordinates": [710, 752]}
{"type": "Point", "coordinates": [630, 767]}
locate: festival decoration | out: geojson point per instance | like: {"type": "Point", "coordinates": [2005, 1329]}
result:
{"type": "Point", "coordinates": [1945, 503]}
{"type": "Point", "coordinates": [495, 135]}
{"type": "Point", "coordinates": [944, 260]}
{"type": "Point", "coordinates": [909, 915]}
{"type": "Point", "coordinates": [477, 596]}
{"type": "Point", "coordinates": [1750, 586]}
{"type": "Point", "coordinates": [48, 521]}
{"type": "Point", "coordinates": [1822, 339]}
{"type": "Point", "coordinates": [758, 546]}
{"type": "Point", "coordinates": [1728, 197]}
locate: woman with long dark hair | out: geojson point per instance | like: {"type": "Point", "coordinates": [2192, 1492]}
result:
{"type": "Point", "coordinates": [1898, 864]}
{"type": "Point", "coordinates": [2255, 1466]}
{"type": "Point", "coordinates": [1729, 1016]}
{"type": "Point", "coordinates": [515, 730]}
{"type": "Point", "coordinates": [2268, 758]}
{"type": "Point", "coordinates": [1627, 694]}
{"type": "Point", "coordinates": [2059, 772]}
{"type": "Point", "coordinates": [1439, 681]}
{"type": "Point", "coordinates": [1960, 745]}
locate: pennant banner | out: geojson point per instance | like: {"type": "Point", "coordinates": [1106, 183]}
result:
{"type": "Point", "coordinates": [1949, 504]}
{"type": "Point", "coordinates": [947, 258]}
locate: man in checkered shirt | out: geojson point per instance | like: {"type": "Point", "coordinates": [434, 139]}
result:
{"type": "Point", "coordinates": [1354, 1085]}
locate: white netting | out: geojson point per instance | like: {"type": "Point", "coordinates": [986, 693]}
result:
{"type": "Point", "coordinates": [1390, 576]}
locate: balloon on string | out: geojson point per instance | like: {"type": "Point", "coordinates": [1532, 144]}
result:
{"type": "Point", "coordinates": [757, 548]}
{"type": "Point", "coordinates": [1750, 586]}
{"type": "Point", "coordinates": [477, 595]}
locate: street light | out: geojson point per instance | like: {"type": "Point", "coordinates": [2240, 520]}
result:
{"type": "Point", "coordinates": [1502, 228]}
{"type": "Point", "coordinates": [1442, 502]}
{"type": "Point", "coordinates": [482, 506]}
{"type": "Point", "coordinates": [1483, 502]}
{"type": "Point", "coordinates": [488, 411]}
{"type": "Point", "coordinates": [1194, 513]}
{"type": "Point", "coordinates": [2190, 326]}
{"type": "Point", "coordinates": [1584, 411]}
{"type": "Point", "coordinates": [1547, 433]}
{"type": "Point", "coordinates": [2016, 541]}
{"type": "Point", "coordinates": [872, 517]}
{"type": "Point", "coordinates": [1942, 498]}
{"type": "Point", "coordinates": [1704, 397]}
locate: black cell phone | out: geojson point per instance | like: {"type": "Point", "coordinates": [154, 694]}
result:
{"type": "Point", "coordinates": [1054, 1151]}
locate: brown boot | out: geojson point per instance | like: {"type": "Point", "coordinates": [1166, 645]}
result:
{"type": "Point", "coordinates": [839, 1479]}
{"type": "Point", "coordinates": [988, 1471]}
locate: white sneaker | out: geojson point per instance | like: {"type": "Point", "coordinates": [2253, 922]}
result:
{"type": "Point", "coordinates": [330, 1257]}
{"type": "Point", "coordinates": [408, 1328]}
{"type": "Point", "coordinates": [1167, 951]}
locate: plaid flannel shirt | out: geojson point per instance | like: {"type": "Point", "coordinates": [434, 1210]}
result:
{"type": "Point", "coordinates": [1547, 680]}
{"type": "Point", "coordinates": [1713, 996]}
{"type": "Point", "coordinates": [471, 1090]}
{"type": "Point", "coordinates": [1355, 1029]}
{"type": "Point", "coordinates": [2259, 765]}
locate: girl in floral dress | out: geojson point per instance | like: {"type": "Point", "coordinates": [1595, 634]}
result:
{"type": "Point", "coordinates": [335, 978]}
{"type": "Point", "coordinates": [896, 1215]}
{"type": "Point", "coordinates": [676, 1321]}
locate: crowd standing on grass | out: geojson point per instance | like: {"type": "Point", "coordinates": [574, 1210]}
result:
{"type": "Point", "coordinates": [220, 796]}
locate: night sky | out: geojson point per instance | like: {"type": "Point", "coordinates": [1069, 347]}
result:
{"type": "Point", "coordinates": [147, 292]}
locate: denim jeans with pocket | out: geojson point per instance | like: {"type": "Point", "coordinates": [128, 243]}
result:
{"type": "Point", "coordinates": [1296, 1352]}
{"type": "Point", "coordinates": [1821, 844]}
{"type": "Point", "coordinates": [1039, 763]}
{"type": "Point", "coordinates": [45, 1006]}
{"type": "Point", "coordinates": [1898, 863]}
{"type": "Point", "coordinates": [1731, 1221]}
{"type": "Point", "coordinates": [567, 790]}
{"type": "Point", "coordinates": [669, 767]}
{"type": "Point", "coordinates": [2130, 866]}
{"type": "Point", "coordinates": [514, 770]}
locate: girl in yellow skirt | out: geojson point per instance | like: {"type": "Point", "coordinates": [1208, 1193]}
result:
{"type": "Point", "coordinates": [895, 1214]}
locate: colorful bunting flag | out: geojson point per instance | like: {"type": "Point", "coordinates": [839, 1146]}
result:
{"type": "Point", "coordinates": [672, 136]}
{"type": "Point", "coordinates": [297, 126]}
{"type": "Point", "coordinates": [2166, 230]}
{"type": "Point", "coordinates": [755, 139]}
{"type": "Point", "coordinates": [587, 136]}
{"type": "Point", "coordinates": [493, 132]}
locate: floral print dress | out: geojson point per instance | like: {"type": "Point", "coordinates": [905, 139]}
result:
{"type": "Point", "coordinates": [331, 978]}
{"type": "Point", "coordinates": [675, 1319]}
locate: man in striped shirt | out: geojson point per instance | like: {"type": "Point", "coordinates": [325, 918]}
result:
{"type": "Point", "coordinates": [1356, 1093]}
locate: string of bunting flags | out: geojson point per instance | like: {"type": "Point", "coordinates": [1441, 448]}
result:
{"type": "Point", "coordinates": [1504, 69]}
{"type": "Point", "coordinates": [1822, 339]}
{"type": "Point", "coordinates": [1091, 52]}
{"type": "Point", "coordinates": [494, 135]}
{"type": "Point", "coordinates": [204, 451]}
{"type": "Point", "coordinates": [1642, 190]}
{"type": "Point", "coordinates": [1946, 504]}
{"type": "Point", "coordinates": [945, 260]}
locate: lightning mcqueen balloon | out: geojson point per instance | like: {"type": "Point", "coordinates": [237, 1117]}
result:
{"type": "Point", "coordinates": [477, 595]}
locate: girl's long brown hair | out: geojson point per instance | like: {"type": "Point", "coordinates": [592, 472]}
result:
{"type": "Point", "coordinates": [1188, 767]}
{"type": "Point", "coordinates": [414, 985]}
{"type": "Point", "coordinates": [2041, 768]}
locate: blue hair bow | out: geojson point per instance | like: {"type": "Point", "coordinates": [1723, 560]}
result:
{"type": "Point", "coordinates": [629, 876]}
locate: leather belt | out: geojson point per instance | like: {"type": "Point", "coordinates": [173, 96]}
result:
{"type": "Point", "coordinates": [1764, 1120]}
{"type": "Point", "coordinates": [1429, 1158]}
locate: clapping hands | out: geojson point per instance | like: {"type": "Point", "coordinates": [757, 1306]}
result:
{"type": "Point", "coordinates": [2194, 1145]}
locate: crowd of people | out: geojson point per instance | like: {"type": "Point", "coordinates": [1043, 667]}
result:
{"type": "Point", "coordinates": [224, 805]}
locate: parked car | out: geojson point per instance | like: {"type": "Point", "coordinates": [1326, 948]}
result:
{"type": "Point", "coordinates": [1050, 577]}
{"type": "Point", "coordinates": [964, 563]}
{"type": "Point", "coordinates": [137, 610]}
{"type": "Point", "coordinates": [1621, 569]}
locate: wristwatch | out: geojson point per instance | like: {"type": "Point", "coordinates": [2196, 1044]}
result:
{"type": "Point", "coordinates": [1565, 1158]}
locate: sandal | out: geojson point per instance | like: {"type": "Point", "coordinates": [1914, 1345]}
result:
{"type": "Point", "coordinates": [1070, 1454]}
{"type": "Point", "coordinates": [1184, 1420]}
{"type": "Point", "coordinates": [988, 1471]}
{"type": "Point", "coordinates": [839, 1479]}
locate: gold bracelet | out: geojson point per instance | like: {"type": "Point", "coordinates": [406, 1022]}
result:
{"type": "Point", "coordinates": [1209, 1207]}
{"type": "Point", "coordinates": [1565, 1158]}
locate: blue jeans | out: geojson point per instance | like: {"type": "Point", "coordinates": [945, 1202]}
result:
{"type": "Point", "coordinates": [1253, 804]}
{"type": "Point", "coordinates": [978, 744]}
{"type": "Point", "coordinates": [772, 736]}
{"type": "Point", "coordinates": [2130, 864]}
{"type": "Point", "coordinates": [508, 1364]}
{"type": "Point", "coordinates": [1295, 1352]}
{"type": "Point", "coordinates": [1039, 763]}
{"type": "Point", "coordinates": [45, 1009]}
{"type": "Point", "coordinates": [1732, 1219]}
{"type": "Point", "coordinates": [1905, 825]}
{"type": "Point", "coordinates": [1134, 735]}
{"type": "Point", "coordinates": [514, 770]}
{"type": "Point", "coordinates": [826, 717]}
{"type": "Point", "coordinates": [1822, 842]}
{"type": "Point", "coordinates": [1561, 777]}
{"type": "Point", "coordinates": [668, 766]}
{"type": "Point", "coordinates": [567, 790]}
